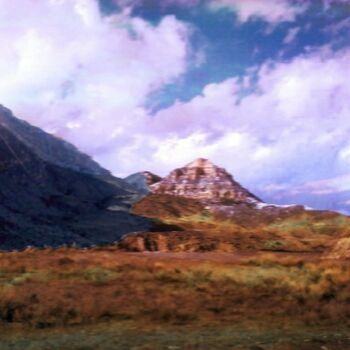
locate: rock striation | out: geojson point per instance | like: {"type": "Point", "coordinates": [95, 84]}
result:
{"type": "Point", "coordinates": [204, 181]}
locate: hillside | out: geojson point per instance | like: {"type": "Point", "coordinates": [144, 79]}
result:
{"type": "Point", "coordinates": [42, 203]}
{"type": "Point", "coordinates": [209, 211]}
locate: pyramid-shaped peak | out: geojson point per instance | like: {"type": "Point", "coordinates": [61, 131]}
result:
{"type": "Point", "coordinates": [200, 163]}
{"type": "Point", "coordinates": [203, 180]}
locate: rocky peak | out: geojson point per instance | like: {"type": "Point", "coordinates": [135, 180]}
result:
{"type": "Point", "coordinates": [204, 181]}
{"type": "Point", "coordinates": [202, 163]}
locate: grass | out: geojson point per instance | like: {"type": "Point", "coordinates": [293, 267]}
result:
{"type": "Point", "coordinates": [103, 298]}
{"type": "Point", "coordinates": [190, 227]}
{"type": "Point", "coordinates": [106, 299]}
{"type": "Point", "coordinates": [38, 290]}
{"type": "Point", "coordinates": [127, 335]}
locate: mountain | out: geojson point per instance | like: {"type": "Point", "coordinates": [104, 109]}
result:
{"type": "Point", "coordinates": [45, 202]}
{"type": "Point", "coordinates": [142, 181]}
{"type": "Point", "coordinates": [206, 182]}
{"type": "Point", "coordinates": [203, 208]}
{"type": "Point", "coordinates": [48, 147]}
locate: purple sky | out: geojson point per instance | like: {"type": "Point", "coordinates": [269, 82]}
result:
{"type": "Point", "coordinates": [281, 125]}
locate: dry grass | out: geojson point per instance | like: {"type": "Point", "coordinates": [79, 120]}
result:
{"type": "Point", "coordinates": [68, 286]}
{"type": "Point", "coordinates": [192, 228]}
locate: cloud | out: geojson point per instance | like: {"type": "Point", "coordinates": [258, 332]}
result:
{"type": "Point", "coordinates": [334, 185]}
{"type": "Point", "coordinates": [155, 3]}
{"type": "Point", "coordinates": [283, 127]}
{"type": "Point", "coordinates": [291, 129]}
{"type": "Point", "coordinates": [328, 3]}
{"type": "Point", "coordinates": [82, 76]}
{"type": "Point", "coordinates": [291, 35]}
{"type": "Point", "coordinates": [273, 11]}
{"type": "Point", "coordinates": [187, 3]}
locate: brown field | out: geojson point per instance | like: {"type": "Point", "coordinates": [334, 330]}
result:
{"type": "Point", "coordinates": [66, 286]}
{"type": "Point", "coordinates": [205, 283]}
{"type": "Point", "coordinates": [205, 295]}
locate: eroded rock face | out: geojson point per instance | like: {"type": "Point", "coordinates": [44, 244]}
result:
{"type": "Point", "coordinates": [204, 181]}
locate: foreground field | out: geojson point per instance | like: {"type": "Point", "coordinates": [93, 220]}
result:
{"type": "Point", "coordinates": [132, 336]}
{"type": "Point", "coordinates": [46, 288]}
{"type": "Point", "coordinates": [102, 298]}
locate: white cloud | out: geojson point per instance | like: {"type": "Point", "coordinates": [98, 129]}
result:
{"type": "Point", "coordinates": [67, 69]}
{"type": "Point", "coordinates": [291, 35]}
{"type": "Point", "coordinates": [293, 127]}
{"type": "Point", "coordinates": [85, 77]}
{"type": "Point", "coordinates": [273, 11]}
{"type": "Point", "coordinates": [334, 185]}
{"type": "Point", "coordinates": [162, 3]}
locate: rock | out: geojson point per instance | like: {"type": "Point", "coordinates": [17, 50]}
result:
{"type": "Point", "coordinates": [203, 209]}
{"type": "Point", "coordinates": [206, 182]}
{"type": "Point", "coordinates": [142, 181]}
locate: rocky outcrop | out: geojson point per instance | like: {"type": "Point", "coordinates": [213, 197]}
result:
{"type": "Point", "coordinates": [206, 182]}
{"type": "Point", "coordinates": [189, 241]}
{"type": "Point", "coordinates": [142, 181]}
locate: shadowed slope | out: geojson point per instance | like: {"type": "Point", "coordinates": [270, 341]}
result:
{"type": "Point", "coordinates": [142, 181]}
{"type": "Point", "coordinates": [45, 204]}
{"type": "Point", "coordinates": [49, 147]}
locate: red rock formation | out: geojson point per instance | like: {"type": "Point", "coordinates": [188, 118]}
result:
{"type": "Point", "coordinates": [204, 181]}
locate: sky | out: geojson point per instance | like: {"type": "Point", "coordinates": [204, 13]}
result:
{"type": "Point", "coordinates": [260, 87]}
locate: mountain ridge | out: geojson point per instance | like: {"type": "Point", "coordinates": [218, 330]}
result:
{"type": "Point", "coordinates": [42, 203]}
{"type": "Point", "coordinates": [49, 147]}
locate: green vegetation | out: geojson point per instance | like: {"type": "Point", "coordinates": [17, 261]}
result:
{"type": "Point", "coordinates": [130, 336]}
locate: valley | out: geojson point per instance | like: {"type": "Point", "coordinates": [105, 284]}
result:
{"type": "Point", "coordinates": [192, 260]}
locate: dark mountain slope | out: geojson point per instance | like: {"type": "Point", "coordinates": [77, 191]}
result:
{"type": "Point", "coordinates": [49, 147]}
{"type": "Point", "coordinates": [142, 181]}
{"type": "Point", "coordinates": [45, 204]}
